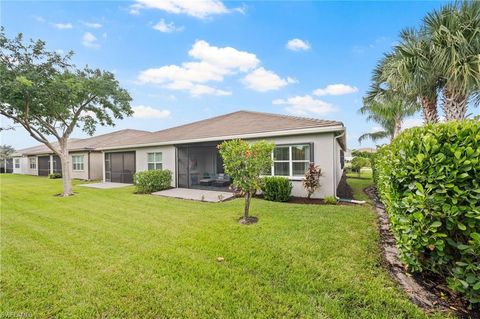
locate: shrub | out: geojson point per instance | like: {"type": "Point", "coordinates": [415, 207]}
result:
{"type": "Point", "coordinates": [359, 162]}
{"type": "Point", "coordinates": [277, 189]}
{"type": "Point", "coordinates": [428, 180]}
{"type": "Point", "coordinates": [312, 179]}
{"type": "Point", "coordinates": [330, 200]}
{"type": "Point", "coordinates": [54, 175]}
{"type": "Point", "coordinates": [147, 182]}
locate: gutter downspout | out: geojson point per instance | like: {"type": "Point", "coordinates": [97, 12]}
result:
{"type": "Point", "coordinates": [335, 165]}
{"type": "Point", "coordinates": [89, 165]}
{"type": "Point", "coordinates": [343, 199]}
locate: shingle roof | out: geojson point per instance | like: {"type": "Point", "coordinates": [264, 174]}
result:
{"type": "Point", "coordinates": [90, 143]}
{"type": "Point", "coordinates": [232, 124]}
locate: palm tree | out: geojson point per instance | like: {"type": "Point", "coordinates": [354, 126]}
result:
{"type": "Point", "coordinates": [454, 36]}
{"type": "Point", "coordinates": [389, 112]}
{"type": "Point", "coordinates": [410, 73]}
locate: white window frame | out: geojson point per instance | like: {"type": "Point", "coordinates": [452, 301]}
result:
{"type": "Point", "coordinates": [291, 160]}
{"type": "Point", "coordinates": [32, 160]}
{"type": "Point", "coordinates": [80, 164]}
{"type": "Point", "coordinates": [16, 163]}
{"type": "Point", "coordinates": [155, 162]}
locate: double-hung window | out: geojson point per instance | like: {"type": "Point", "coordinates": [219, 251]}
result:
{"type": "Point", "coordinates": [77, 162]}
{"type": "Point", "coordinates": [17, 163]}
{"type": "Point", "coordinates": [32, 162]}
{"type": "Point", "coordinates": [291, 160]}
{"type": "Point", "coordinates": [154, 161]}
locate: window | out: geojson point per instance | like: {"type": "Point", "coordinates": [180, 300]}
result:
{"type": "Point", "coordinates": [32, 162]}
{"type": "Point", "coordinates": [77, 161]}
{"type": "Point", "coordinates": [17, 163]}
{"type": "Point", "coordinates": [291, 160]}
{"type": "Point", "coordinates": [154, 161]}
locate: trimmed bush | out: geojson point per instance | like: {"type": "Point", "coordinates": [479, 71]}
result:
{"type": "Point", "coordinates": [54, 175]}
{"type": "Point", "coordinates": [277, 189]}
{"type": "Point", "coordinates": [330, 200]}
{"type": "Point", "coordinates": [147, 182]}
{"type": "Point", "coordinates": [429, 181]}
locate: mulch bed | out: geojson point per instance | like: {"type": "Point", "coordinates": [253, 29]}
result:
{"type": "Point", "coordinates": [426, 290]}
{"type": "Point", "coordinates": [343, 189]}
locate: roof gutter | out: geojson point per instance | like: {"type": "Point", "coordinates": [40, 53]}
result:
{"type": "Point", "coordinates": [312, 130]}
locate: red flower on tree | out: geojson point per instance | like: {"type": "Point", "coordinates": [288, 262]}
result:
{"type": "Point", "coordinates": [247, 153]}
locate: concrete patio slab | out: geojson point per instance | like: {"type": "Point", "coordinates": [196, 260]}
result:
{"type": "Point", "coordinates": [196, 194]}
{"type": "Point", "coordinates": [106, 185]}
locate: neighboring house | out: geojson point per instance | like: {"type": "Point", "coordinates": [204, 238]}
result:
{"type": "Point", "coordinates": [6, 165]}
{"type": "Point", "coordinates": [190, 151]}
{"type": "Point", "coordinates": [86, 162]}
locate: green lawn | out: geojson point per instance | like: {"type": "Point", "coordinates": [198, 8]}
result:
{"type": "Point", "coordinates": [113, 254]}
{"type": "Point", "coordinates": [358, 182]}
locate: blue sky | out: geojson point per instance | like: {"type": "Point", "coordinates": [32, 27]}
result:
{"type": "Point", "coordinates": [182, 63]}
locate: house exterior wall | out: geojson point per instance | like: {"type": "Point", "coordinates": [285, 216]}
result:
{"type": "Point", "coordinates": [324, 155]}
{"type": "Point", "coordinates": [27, 169]}
{"type": "Point", "coordinates": [168, 159]}
{"type": "Point", "coordinates": [23, 165]}
{"type": "Point", "coordinates": [96, 165]}
{"type": "Point", "coordinates": [79, 174]}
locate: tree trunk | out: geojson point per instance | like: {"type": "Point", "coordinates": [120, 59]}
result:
{"type": "Point", "coordinates": [398, 126]}
{"type": "Point", "coordinates": [454, 105]}
{"type": "Point", "coordinates": [429, 108]}
{"type": "Point", "coordinates": [65, 160]}
{"type": "Point", "coordinates": [246, 211]}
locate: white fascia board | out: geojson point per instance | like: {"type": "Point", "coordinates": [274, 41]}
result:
{"type": "Point", "coordinates": [312, 130]}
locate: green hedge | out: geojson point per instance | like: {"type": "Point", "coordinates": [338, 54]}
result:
{"type": "Point", "coordinates": [148, 182]}
{"type": "Point", "coordinates": [429, 181]}
{"type": "Point", "coordinates": [277, 189]}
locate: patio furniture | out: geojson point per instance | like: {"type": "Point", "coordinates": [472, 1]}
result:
{"type": "Point", "coordinates": [222, 181]}
{"type": "Point", "coordinates": [206, 181]}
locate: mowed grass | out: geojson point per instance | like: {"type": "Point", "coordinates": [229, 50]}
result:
{"type": "Point", "coordinates": [113, 254]}
{"type": "Point", "coordinates": [358, 182]}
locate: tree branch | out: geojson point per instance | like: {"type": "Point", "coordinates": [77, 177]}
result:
{"type": "Point", "coordinates": [76, 115]}
{"type": "Point", "coordinates": [37, 135]}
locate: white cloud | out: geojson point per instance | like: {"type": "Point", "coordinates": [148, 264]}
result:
{"type": "Point", "coordinates": [298, 45]}
{"type": "Point", "coordinates": [213, 64]}
{"type": "Point", "coordinates": [199, 9]}
{"type": "Point", "coordinates": [148, 112]}
{"type": "Point", "coordinates": [263, 80]}
{"type": "Point", "coordinates": [304, 105]}
{"type": "Point", "coordinates": [93, 25]}
{"type": "Point", "coordinates": [226, 57]}
{"type": "Point", "coordinates": [89, 40]}
{"type": "Point", "coordinates": [335, 89]}
{"type": "Point", "coordinates": [40, 19]}
{"type": "Point", "coordinates": [63, 26]}
{"type": "Point", "coordinates": [165, 27]}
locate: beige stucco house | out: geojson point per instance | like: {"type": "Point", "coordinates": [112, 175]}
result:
{"type": "Point", "coordinates": [189, 151]}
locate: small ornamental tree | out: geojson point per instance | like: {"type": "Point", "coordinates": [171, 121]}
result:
{"type": "Point", "coordinates": [312, 179]}
{"type": "Point", "coordinates": [244, 162]}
